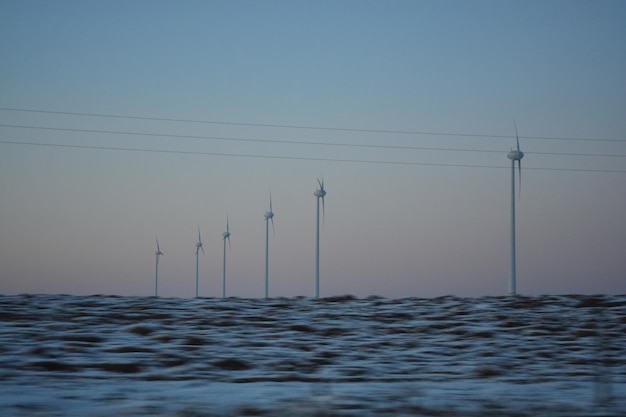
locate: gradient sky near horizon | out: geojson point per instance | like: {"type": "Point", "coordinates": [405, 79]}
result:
{"type": "Point", "coordinates": [415, 222]}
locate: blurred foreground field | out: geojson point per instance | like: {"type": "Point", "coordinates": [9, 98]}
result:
{"type": "Point", "coordinates": [134, 356]}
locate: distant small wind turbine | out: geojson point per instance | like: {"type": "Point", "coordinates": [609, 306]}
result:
{"type": "Point", "coordinates": [319, 193]}
{"type": "Point", "coordinates": [514, 155]}
{"type": "Point", "coordinates": [198, 248]}
{"type": "Point", "coordinates": [269, 215]}
{"type": "Point", "coordinates": [225, 236]}
{"type": "Point", "coordinates": [158, 253]}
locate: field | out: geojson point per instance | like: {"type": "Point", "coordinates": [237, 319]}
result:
{"type": "Point", "coordinates": [341, 356]}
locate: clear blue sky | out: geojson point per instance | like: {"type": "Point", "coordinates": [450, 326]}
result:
{"type": "Point", "coordinates": [83, 221]}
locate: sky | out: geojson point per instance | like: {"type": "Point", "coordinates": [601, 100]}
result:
{"type": "Point", "coordinates": [404, 108]}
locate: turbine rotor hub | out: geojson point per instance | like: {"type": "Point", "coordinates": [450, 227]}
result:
{"type": "Point", "coordinates": [515, 155]}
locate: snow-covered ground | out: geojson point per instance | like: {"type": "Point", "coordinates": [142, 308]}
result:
{"type": "Point", "coordinates": [493, 356]}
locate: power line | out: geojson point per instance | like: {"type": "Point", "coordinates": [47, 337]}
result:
{"type": "Point", "coordinates": [300, 142]}
{"type": "Point", "coordinates": [290, 142]}
{"type": "Point", "coordinates": [296, 158]}
{"type": "Point", "coordinates": [341, 129]}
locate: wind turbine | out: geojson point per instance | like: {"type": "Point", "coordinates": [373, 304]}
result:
{"type": "Point", "coordinates": [198, 248]}
{"type": "Point", "coordinates": [225, 236]}
{"type": "Point", "coordinates": [319, 193]}
{"type": "Point", "coordinates": [514, 155]}
{"type": "Point", "coordinates": [156, 273]}
{"type": "Point", "coordinates": [269, 215]}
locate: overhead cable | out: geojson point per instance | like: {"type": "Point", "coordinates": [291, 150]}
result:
{"type": "Point", "coordinates": [298, 158]}
{"type": "Point", "coordinates": [297, 142]}
{"type": "Point", "coordinates": [287, 126]}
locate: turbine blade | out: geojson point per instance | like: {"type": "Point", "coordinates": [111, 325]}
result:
{"type": "Point", "coordinates": [227, 229]}
{"type": "Point", "coordinates": [519, 164]}
{"type": "Point", "coordinates": [271, 201]}
{"type": "Point", "coordinates": [273, 231]}
{"type": "Point", "coordinates": [516, 136]}
{"type": "Point", "coordinates": [323, 211]}
{"type": "Point", "coordinates": [202, 249]}
{"type": "Point", "coordinates": [158, 248]}
{"type": "Point", "coordinates": [229, 243]}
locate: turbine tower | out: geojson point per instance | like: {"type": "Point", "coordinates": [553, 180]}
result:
{"type": "Point", "coordinates": [514, 155]}
{"type": "Point", "coordinates": [319, 193]}
{"type": "Point", "coordinates": [198, 248]}
{"type": "Point", "coordinates": [269, 215]}
{"type": "Point", "coordinates": [156, 272]}
{"type": "Point", "coordinates": [225, 237]}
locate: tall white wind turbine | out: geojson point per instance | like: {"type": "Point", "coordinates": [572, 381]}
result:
{"type": "Point", "coordinates": [225, 237]}
{"type": "Point", "coordinates": [319, 193]}
{"type": "Point", "coordinates": [158, 253]}
{"type": "Point", "coordinates": [269, 215]}
{"type": "Point", "coordinates": [514, 155]}
{"type": "Point", "coordinates": [198, 248]}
